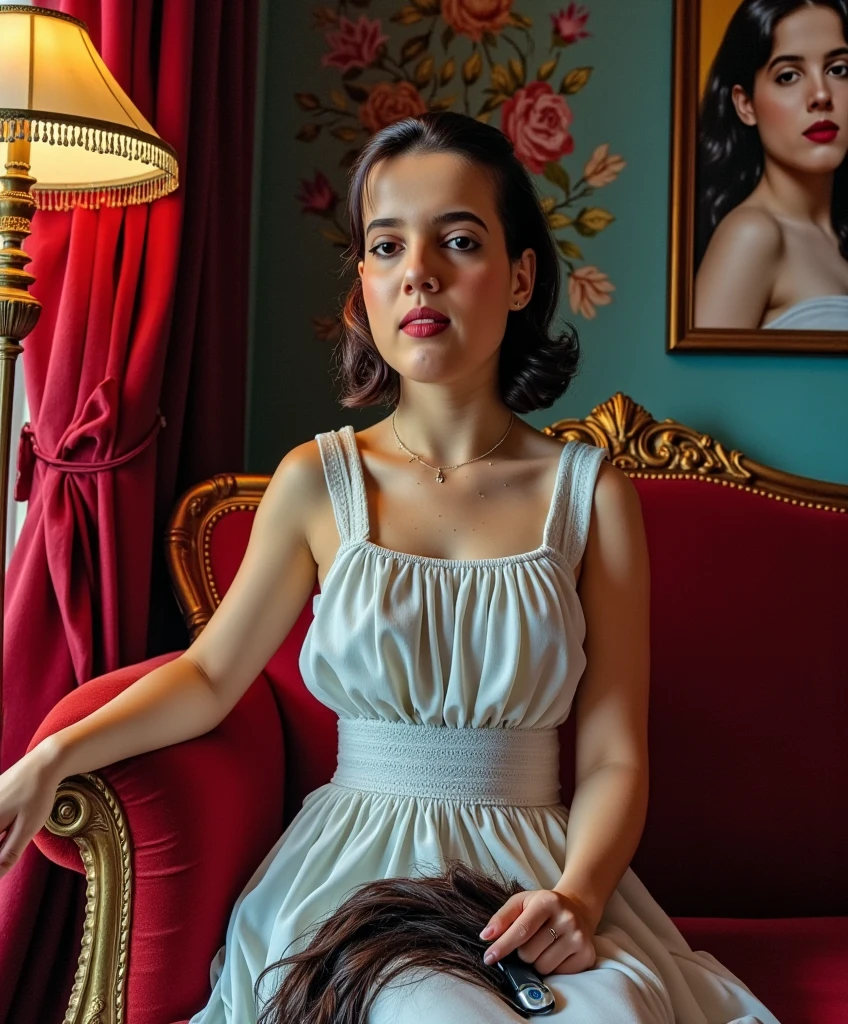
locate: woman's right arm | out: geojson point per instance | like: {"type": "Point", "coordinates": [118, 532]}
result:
{"type": "Point", "coordinates": [193, 693]}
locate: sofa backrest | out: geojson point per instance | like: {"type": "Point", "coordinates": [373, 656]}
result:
{"type": "Point", "coordinates": [749, 680]}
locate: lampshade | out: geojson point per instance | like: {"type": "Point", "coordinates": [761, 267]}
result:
{"type": "Point", "coordinates": [89, 144]}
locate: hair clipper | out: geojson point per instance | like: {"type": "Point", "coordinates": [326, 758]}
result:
{"type": "Point", "coordinates": [524, 987]}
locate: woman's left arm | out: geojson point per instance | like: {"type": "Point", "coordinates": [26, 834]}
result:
{"type": "Point", "coordinates": [607, 813]}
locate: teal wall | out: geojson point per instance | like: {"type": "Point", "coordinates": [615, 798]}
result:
{"type": "Point", "coordinates": [789, 411]}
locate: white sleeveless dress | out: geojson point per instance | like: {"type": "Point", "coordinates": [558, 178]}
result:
{"type": "Point", "coordinates": [450, 678]}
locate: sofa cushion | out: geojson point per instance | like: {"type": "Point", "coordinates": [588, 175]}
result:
{"type": "Point", "coordinates": [749, 704]}
{"type": "Point", "coordinates": [797, 966]}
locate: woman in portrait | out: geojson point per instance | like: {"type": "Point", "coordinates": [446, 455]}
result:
{"type": "Point", "coordinates": [772, 221]}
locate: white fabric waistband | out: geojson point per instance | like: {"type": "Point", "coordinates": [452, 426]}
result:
{"type": "Point", "coordinates": [487, 765]}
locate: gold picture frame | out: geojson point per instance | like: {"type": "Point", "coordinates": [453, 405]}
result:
{"type": "Point", "coordinates": [691, 59]}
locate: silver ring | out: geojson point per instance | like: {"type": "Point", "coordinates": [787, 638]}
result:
{"type": "Point", "coordinates": [551, 930]}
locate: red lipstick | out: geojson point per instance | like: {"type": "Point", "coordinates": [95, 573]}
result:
{"type": "Point", "coordinates": [423, 322]}
{"type": "Point", "coordinates": [822, 131]}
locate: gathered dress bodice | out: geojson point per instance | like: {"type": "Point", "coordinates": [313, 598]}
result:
{"type": "Point", "coordinates": [463, 643]}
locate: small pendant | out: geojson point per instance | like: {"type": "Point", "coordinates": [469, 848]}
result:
{"type": "Point", "coordinates": [439, 477]}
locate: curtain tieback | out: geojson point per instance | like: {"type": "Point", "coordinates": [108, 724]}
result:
{"type": "Point", "coordinates": [28, 452]}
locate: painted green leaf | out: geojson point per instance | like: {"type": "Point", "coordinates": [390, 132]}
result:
{"type": "Point", "coordinates": [575, 80]}
{"type": "Point", "coordinates": [406, 16]}
{"type": "Point", "coordinates": [492, 103]}
{"type": "Point", "coordinates": [413, 48]}
{"type": "Point", "coordinates": [307, 100]}
{"type": "Point", "coordinates": [424, 71]}
{"type": "Point", "coordinates": [558, 220]}
{"type": "Point", "coordinates": [501, 80]}
{"type": "Point", "coordinates": [592, 220]}
{"type": "Point", "coordinates": [569, 249]}
{"type": "Point", "coordinates": [516, 69]}
{"type": "Point", "coordinates": [547, 69]}
{"type": "Point", "coordinates": [558, 175]}
{"type": "Point", "coordinates": [472, 68]}
{"type": "Point", "coordinates": [345, 133]}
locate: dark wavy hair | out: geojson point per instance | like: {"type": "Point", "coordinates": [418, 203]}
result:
{"type": "Point", "coordinates": [536, 366]}
{"type": "Point", "coordinates": [730, 153]}
{"type": "Point", "coordinates": [383, 929]}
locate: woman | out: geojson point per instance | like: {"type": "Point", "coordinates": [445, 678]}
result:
{"type": "Point", "coordinates": [772, 237]}
{"type": "Point", "coordinates": [450, 660]}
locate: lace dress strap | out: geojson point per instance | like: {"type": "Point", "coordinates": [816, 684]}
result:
{"type": "Point", "coordinates": [343, 473]}
{"type": "Point", "coordinates": [571, 512]}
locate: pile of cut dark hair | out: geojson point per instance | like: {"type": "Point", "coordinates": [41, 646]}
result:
{"type": "Point", "coordinates": [384, 929]}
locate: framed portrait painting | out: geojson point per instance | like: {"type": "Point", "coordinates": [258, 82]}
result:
{"type": "Point", "coordinates": [758, 237]}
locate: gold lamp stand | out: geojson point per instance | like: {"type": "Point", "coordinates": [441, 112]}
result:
{"type": "Point", "coordinates": [19, 313]}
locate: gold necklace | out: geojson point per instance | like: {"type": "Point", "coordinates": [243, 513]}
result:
{"type": "Point", "coordinates": [439, 475]}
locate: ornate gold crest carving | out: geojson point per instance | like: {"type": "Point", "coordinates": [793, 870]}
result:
{"type": "Point", "coordinates": [643, 446]}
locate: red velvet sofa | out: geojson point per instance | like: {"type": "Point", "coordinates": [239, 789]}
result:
{"type": "Point", "coordinates": [745, 842]}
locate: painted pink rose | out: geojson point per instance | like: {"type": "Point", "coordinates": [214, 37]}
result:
{"type": "Point", "coordinates": [317, 196]}
{"type": "Point", "coordinates": [536, 119]}
{"type": "Point", "coordinates": [388, 102]}
{"type": "Point", "coordinates": [474, 17]}
{"type": "Point", "coordinates": [569, 24]}
{"type": "Point", "coordinates": [355, 45]}
{"type": "Point", "coordinates": [601, 168]}
{"type": "Point", "coordinates": [589, 287]}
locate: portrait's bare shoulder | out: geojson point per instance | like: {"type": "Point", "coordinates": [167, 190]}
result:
{"type": "Point", "coordinates": [737, 275]}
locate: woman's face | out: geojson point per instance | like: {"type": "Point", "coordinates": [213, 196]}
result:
{"type": "Point", "coordinates": [433, 238]}
{"type": "Point", "coordinates": [804, 83]}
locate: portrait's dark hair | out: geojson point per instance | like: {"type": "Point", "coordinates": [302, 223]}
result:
{"type": "Point", "coordinates": [383, 929]}
{"type": "Point", "coordinates": [730, 153]}
{"type": "Point", "coordinates": [535, 365]}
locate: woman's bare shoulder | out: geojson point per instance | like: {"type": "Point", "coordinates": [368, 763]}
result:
{"type": "Point", "coordinates": [615, 492]}
{"type": "Point", "coordinates": [298, 483]}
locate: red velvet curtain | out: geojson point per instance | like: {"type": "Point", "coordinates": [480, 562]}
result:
{"type": "Point", "coordinates": [137, 326]}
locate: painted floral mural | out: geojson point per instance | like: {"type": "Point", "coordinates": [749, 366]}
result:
{"type": "Point", "coordinates": [477, 57]}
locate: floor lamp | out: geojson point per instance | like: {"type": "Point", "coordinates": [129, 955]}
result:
{"type": "Point", "coordinates": [64, 118]}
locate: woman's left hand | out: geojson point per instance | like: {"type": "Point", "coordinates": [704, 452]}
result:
{"type": "Point", "coordinates": [524, 923]}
